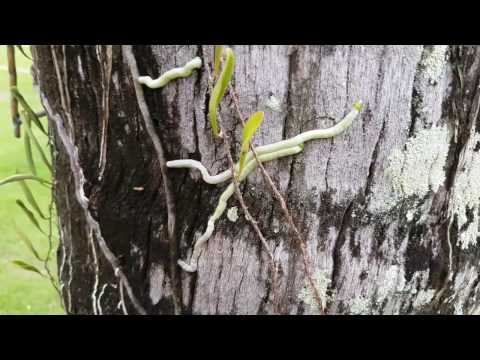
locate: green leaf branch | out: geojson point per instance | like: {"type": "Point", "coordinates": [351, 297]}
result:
{"type": "Point", "coordinates": [219, 90]}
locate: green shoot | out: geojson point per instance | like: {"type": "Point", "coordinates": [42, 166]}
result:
{"type": "Point", "coordinates": [16, 94]}
{"type": "Point", "coordinates": [20, 47]}
{"type": "Point", "coordinates": [19, 177]}
{"type": "Point", "coordinates": [28, 243]}
{"type": "Point", "coordinates": [249, 131]}
{"type": "Point", "coordinates": [30, 215]}
{"type": "Point", "coordinates": [38, 146]}
{"type": "Point", "coordinates": [28, 145]}
{"type": "Point", "coordinates": [31, 199]}
{"type": "Point", "coordinates": [28, 267]}
{"type": "Point", "coordinates": [218, 59]}
{"type": "Point", "coordinates": [220, 89]}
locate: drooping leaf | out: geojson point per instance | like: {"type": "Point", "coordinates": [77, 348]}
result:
{"type": "Point", "coordinates": [28, 147]}
{"type": "Point", "coordinates": [29, 154]}
{"type": "Point", "coordinates": [28, 243]}
{"type": "Point", "coordinates": [20, 47]}
{"type": "Point", "coordinates": [27, 108]}
{"type": "Point", "coordinates": [220, 89]}
{"type": "Point", "coordinates": [30, 215]}
{"type": "Point", "coordinates": [19, 177]}
{"type": "Point", "coordinates": [39, 148]}
{"type": "Point", "coordinates": [249, 131]}
{"type": "Point", "coordinates": [28, 267]}
{"type": "Point", "coordinates": [218, 58]}
{"type": "Point", "coordinates": [31, 199]}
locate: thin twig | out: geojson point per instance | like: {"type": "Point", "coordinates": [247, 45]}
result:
{"type": "Point", "coordinates": [170, 200]}
{"type": "Point", "coordinates": [122, 298]}
{"type": "Point", "coordinates": [51, 208]}
{"type": "Point", "coordinates": [283, 204]}
{"type": "Point", "coordinates": [248, 216]}
{"type": "Point", "coordinates": [12, 73]}
{"type": "Point", "coordinates": [64, 97]}
{"type": "Point", "coordinates": [49, 250]}
{"type": "Point", "coordinates": [106, 80]}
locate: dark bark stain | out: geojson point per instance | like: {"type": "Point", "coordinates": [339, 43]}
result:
{"type": "Point", "coordinates": [416, 102]}
{"type": "Point", "coordinates": [363, 275]}
{"type": "Point", "coordinates": [354, 247]}
{"type": "Point", "coordinates": [417, 256]}
{"type": "Point", "coordinates": [328, 50]}
{"type": "Point", "coordinates": [373, 161]}
{"type": "Point", "coordinates": [341, 238]}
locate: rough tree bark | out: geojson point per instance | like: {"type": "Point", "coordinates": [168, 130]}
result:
{"type": "Point", "coordinates": [389, 209]}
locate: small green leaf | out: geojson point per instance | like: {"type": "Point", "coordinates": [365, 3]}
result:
{"type": "Point", "coordinates": [19, 177]}
{"type": "Point", "coordinates": [218, 58]}
{"type": "Point", "coordinates": [20, 47]}
{"type": "Point", "coordinates": [28, 147]}
{"type": "Point", "coordinates": [30, 215]}
{"type": "Point", "coordinates": [31, 199]}
{"type": "Point", "coordinates": [29, 154]}
{"type": "Point", "coordinates": [39, 148]}
{"type": "Point", "coordinates": [249, 131]}
{"type": "Point", "coordinates": [27, 108]}
{"type": "Point", "coordinates": [28, 243]}
{"type": "Point", "coordinates": [220, 89]}
{"type": "Point", "coordinates": [28, 267]}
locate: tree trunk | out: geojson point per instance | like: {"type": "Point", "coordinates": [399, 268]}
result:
{"type": "Point", "coordinates": [389, 209]}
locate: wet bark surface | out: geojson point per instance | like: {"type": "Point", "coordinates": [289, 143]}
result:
{"type": "Point", "coordinates": [379, 244]}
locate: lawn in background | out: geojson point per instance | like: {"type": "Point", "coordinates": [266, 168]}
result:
{"type": "Point", "coordinates": [21, 292]}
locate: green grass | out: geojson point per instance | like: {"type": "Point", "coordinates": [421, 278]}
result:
{"type": "Point", "coordinates": [21, 292]}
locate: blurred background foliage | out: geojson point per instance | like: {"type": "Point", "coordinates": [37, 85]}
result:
{"type": "Point", "coordinates": [22, 292]}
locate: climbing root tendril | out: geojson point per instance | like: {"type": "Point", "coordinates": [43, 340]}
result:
{"type": "Point", "coordinates": [265, 153]}
{"type": "Point", "coordinates": [222, 203]}
{"type": "Point", "coordinates": [170, 75]}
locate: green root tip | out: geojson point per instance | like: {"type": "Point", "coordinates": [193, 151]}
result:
{"type": "Point", "coordinates": [358, 106]}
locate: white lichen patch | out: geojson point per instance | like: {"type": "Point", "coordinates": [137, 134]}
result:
{"type": "Point", "coordinates": [466, 196]}
{"type": "Point", "coordinates": [457, 309]}
{"type": "Point", "coordinates": [413, 170]}
{"type": "Point", "coordinates": [80, 68]}
{"type": "Point", "coordinates": [322, 282]}
{"type": "Point", "coordinates": [464, 288]}
{"type": "Point", "coordinates": [273, 103]}
{"type": "Point", "coordinates": [116, 83]}
{"type": "Point", "coordinates": [410, 215]}
{"type": "Point", "coordinates": [360, 306]}
{"type": "Point", "coordinates": [392, 282]}
{"type": "Point", "coordinates": [275, 226]}
{"type": "Point", "coordinates": [476, 311]}
{"type": "Point", "coordinates": [420, 167]}
{"type": "Point", "coordinates": [434, 63]}
{"type": "Point", "coordinates": [232, 214]}
{"type": "Point", "coordinates": [159, 284]}
{"type": "Point", "coordinates": [423, 298]}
